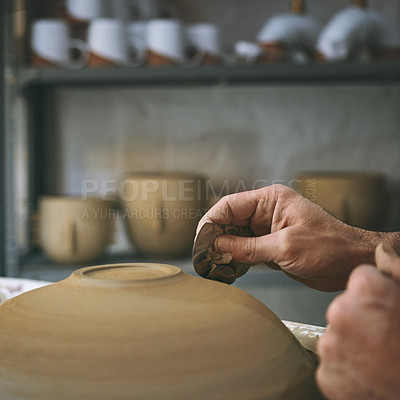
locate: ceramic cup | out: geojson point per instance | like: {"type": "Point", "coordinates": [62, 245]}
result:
{"type": "Point", "coordinates": [73, 230]}
{"type": "Point", "coordinates": [52, 45]}
{"type": "Point", "coordinates": [162, 210]}
{"type": "Point", "coordinates": [84, 10]}
{"type": "Point", "coordinates": [108, 41]}
{"type": "Point", "coordinates": [359, 199]}
{"type": "Point", "coordinates": [167, 45]}
{"type": "Point", "coordinates": [205, 37]}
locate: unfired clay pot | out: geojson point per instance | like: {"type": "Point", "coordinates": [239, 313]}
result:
{"type": "Point", "coordinates": [162, 211]}
{"type": "Point", "coordinates": [147, 332]}
{"type": "Point", "coordinates": [73, 230]}
{"type": "Point", "coordinates": [357, 198]}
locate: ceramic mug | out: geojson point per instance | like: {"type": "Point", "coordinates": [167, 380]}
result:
{"type": "Point", "coordinates": [356, 198]}
{"type": "Point", "coordinates": [108, 41]}
{"type": "Point", "coordinates": [52, 45]}
{"type": "Point", "coordinates": [167, 45]}
{"type": "Point", "coordinates": [74, 230]}
{"type": "Point", "coordinates": [205, 37]}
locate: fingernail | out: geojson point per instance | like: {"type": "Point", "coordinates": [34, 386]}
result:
{"type": "Point", "coordinates": [389, 250]}
{"type": "Point", "coordinates": [223, 244]}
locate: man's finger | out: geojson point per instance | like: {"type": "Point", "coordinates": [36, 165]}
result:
{"type": "Point", "coordinates": [366, 282]}
{"type": "Point", "coordinates": [230, 210]}
{"type": "Point", "coordinates": [388, 261]}
{"type": "Point", "coordinates": [237, 209]}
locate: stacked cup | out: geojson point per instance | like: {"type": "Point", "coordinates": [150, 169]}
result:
{"type": "Point", "coordinates": [114, 39]}
{"type": "Point", "coordinates": [52, 45]}
{"type": "Point", "coordinates": [170, 42]}
{"type": "Point", "coordinates": [205, 38]}
{"type": "Point", "coordinates": [109, 46]}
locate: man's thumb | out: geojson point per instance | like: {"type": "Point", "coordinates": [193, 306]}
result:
{"type": "Point", "coordinates": [250, 250]}
{"type": "Point", "coordinates": [388, 261]}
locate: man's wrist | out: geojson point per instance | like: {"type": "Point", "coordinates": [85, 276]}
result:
{"type": "Point", "coordinates": [392, 239]}
{"type": "Point", "coordinates": [369, 240]}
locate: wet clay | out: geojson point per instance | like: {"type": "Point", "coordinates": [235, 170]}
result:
{"type": "Point", "coordinates": [147, 332]}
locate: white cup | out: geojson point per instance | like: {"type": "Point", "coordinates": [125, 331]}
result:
{"type": "Point", "coordinates": [204, 36]}
{"type": "Point", "coordinates": [165, 38]}
{"type": "Point", "coordinates": [52, 43]}
{"type": "Point", "coordinates": [108, 40]}
{"type": "Point", "coordinates": [85, 10]}
{"type": "Point", "coordinates": [167, 44]}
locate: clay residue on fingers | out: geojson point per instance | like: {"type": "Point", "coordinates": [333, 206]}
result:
{"type": "Point", "coordinates": [217, 266]}
{"type": "Point", "coordinates": [213, 264]}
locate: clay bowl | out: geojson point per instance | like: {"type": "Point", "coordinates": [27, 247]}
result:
{"type": "Point", "coordinates": [357, 198]}
{"type": "Point", "coordinates": [162, 210]}
{"type": "Point", "coordinates": [151, 332]}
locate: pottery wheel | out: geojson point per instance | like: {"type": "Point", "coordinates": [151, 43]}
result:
{"type": "Point", "coordinates": [212, 264]}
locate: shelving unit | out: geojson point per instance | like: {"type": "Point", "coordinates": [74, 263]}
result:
{"type": "Point", "coordinates": [33, 84]}
{"type": "Point", "coordinates": [2, 146]}
{"type": "Point", "coordinates": [374, 72]}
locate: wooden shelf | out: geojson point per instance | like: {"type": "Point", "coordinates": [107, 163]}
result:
{"type": "Point", "coordinates": [343, 73]}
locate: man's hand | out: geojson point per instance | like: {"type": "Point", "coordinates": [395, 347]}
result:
{"type": "Point", "coordinates": [360, 352]}
{"type": "Point", "coordinates": [300, 237]}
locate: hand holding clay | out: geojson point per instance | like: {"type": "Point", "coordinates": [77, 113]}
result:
{"type": "Point", "coordinates": [360, 352]}
{"type": "Point", "coordinates": [307, 243]}
{"type": "Point", "coordinates": [212, 264]}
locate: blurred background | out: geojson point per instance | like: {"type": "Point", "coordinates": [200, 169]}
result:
{"type": "Point", "coordinates": [242, 122]}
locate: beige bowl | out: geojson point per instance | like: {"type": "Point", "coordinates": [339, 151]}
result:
{"type": "Point", "coordinates": [162, 211]}
{"type": "Point", "coordinates": [359, 199]}
{"type": "Point", "coordinates": [74, 230]}
{"type": "Point", "coordinates": [147, 332]}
